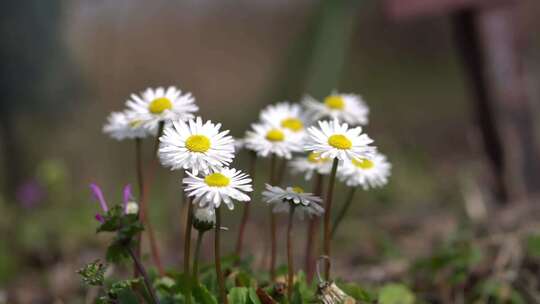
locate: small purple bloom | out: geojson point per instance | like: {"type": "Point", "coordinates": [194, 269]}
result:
{"type": "Point", "coordinates": [127, 196]}
{"type": "Point", "coordinates": [100, 218]}
{"type": "Point", "coordinates": [99, 196]}
{"type": "Point", "coordinates": [30, 194]}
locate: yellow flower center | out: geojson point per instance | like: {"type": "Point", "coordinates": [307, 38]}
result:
{"type": "Point", "coordinates": [198, 143]}
{"type": "Point", "coordinates": [334, 102]}
{"type": "Point", "coordinates": [339, 141]}
{"type": "Point", "coordinates": [275, 135]}
{"type": "Point", "coordinates": [298, 189]}
{"type": "Point", "coordinates": [315, 158]}
{"type": "Point", "coordinates": [217, 180]}
{"type": "Point", "coordinates": [158, 105]}
{"type": "Point", "coordinates": [293, 124]}
{"type": "Point", "coordinates": [363, 163]}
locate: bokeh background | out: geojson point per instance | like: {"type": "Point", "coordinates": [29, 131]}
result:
{"type": "Point", "coordinates": [67, 64]}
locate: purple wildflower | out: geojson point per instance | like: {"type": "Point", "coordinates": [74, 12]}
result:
{"type": "Point", "coordinates": [127, 196]}
{"type": "Point", "coordinates": [30, 194]}
{"type": "Point", "coordinates": [96, 190]}
{"type": "Point", "coordinates": [100, 218]}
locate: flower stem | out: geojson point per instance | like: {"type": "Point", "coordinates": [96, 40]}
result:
{"type": "Point", "coordinates": [217, 257]}
{"type": "Point", "coordinates": [290, 260]}
{"type": "Point", "coordinates": [273, 235]}
{"type": "Point", "coordinates": [140, 184]}
{"type": "Point", "coordinates": [187, 237]}
{"type": "Point", "coordinates": [343, 211]}
{"type": "Point", "coordinates": [187, 245]}
{"type": "Point", "coordinates": [197, 256]}
{"type": "Point", "coordinates": [327, 216]}
{"type": "Point", "coordinates": [144, 274]}
{"type": "Point", "coordinates": [312, 238]}
{"type": "Point", "coordinates": [143, 214]}
{"type": "Point", "coordinates": [245, 215]}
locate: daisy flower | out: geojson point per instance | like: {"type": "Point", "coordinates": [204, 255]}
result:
{"type": "Point", "coordinates": [122, 125]}
{"type": "Point", "coordinates": [310, 164]}
{"type": "Point", "coordinates": [195, 146]}
{"type": "Point", "coordinates": [156, 105]}
{"type": "Point", "coordinates": [366, 172]}
{"type": "Point", "coordinates": [349, 108]}
{"type": "Point", "coordinates": [266, 139]}
{"type": "Point", "coordinates": [304, 203]}
{"type": "Point", "coordinates": [335, 140]}
{"type": "Point", "coordinates": [220, 186]}
{"type": "Point", "coordinates": [286, 116]}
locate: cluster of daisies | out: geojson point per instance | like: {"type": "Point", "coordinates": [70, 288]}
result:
{"type": "Point", "coordinates": [312, 137]}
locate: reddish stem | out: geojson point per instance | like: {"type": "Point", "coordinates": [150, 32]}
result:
{"type": "Point", "coordinates": [312, 243]}
{"type": "Point", "coordinates": [327, 216]}
{"type": "Point", "coordinates": [245, 215]}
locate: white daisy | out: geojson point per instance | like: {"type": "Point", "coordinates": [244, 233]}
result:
{"type": "Point", "coordinates": [283, 199]}
{"type": "Point", "coordinates": [266, 139]}
{"type": "Point", "coordinates": [286, 116]}
{"type": "Point", "coordinates": [349, 108]}
{"type": "Point", "coordinates": [195, 146]}
{"type": "Point", "coordinates": [221, 186]}
{"type": "Point", "coordinates": [155, 105]}
{"type": "Point", "coordinates": [310, 164]}
{"type": "Point", "coordinates": [334, 140]}
{"type": "Point", "coordinates": [366, 172]}
{"type": "Point", "coordinates": [122, 125]}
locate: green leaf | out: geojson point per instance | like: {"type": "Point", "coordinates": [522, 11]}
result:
{"type": "Point", "coordinates": [297, 295]}
{"type": "Point", "coordinates": [238, 295]}
{"type": "Point", "coordinates": [116, 253]}
{"type": "Point", "coordinates": [396, 294]}
{"type": "Point", "coordinates": [184, 283]}
{"type": "Point", "coordinates": [533, 245]}
{"type": "Point", "coordinates": [93, 273]}
{"type": "Point", "coordinates": [203, 296]}
{"type": "Point", "coordinates": [253, 297]}
{"type": "Point", "coordinates": [357, 292]}
{"type": "Point", "coordinates": [243, 279]}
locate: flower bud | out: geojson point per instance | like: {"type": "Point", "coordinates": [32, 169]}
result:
{"type": "Point", "coordinates": [132, 208]}
{"type": "Point", "coordinates": [204, 219]}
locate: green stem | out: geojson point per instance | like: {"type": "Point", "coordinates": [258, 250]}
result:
{"type": "Point", "coordinates": [290, 260]}
{"type": "Point", "coordinates": [327, 216]}
{"type": "Point", "coordinates": [197, 256]}
{"type": "Point", "coordinates": [342, 212]}
{"type": "Point", "coordinates": [187, 244]}
{"type": "Point", "coordinates": [217, 257]}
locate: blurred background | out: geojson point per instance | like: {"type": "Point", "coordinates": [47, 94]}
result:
{"type": "Point", "coordinates": [453, 88]}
